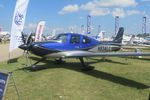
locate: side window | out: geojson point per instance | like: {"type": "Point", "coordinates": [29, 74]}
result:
{"type": "Point", "coordinates": [62, 37]}
{"type": "Point", "coordinates": [75, 39]}
{"type": "Point", "coordinates": [86, 40]}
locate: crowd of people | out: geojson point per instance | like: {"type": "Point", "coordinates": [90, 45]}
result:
{"type": "Point", "coordinates": [4, 40]}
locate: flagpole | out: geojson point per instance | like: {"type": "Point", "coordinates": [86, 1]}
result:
{"type": "Point", "coordinates": [8, 62]}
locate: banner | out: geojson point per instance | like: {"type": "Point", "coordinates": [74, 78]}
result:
{"type": "Point", "coordinates": [144, 26]}
{"type": "Point", "coordinates": [18, 24]}
{"type": "Point", "coordinates": [39, 30]}
{"type": "Point", "coordinates": [89, 24]}
{"type": "Point", "coordinates": [4, 78]}
{"type": "Point", "coordinates": [3, 84]}
{"type": "Point", "coordinates": [116, 24]}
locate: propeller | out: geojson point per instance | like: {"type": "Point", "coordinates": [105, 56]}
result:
{"type": "Point", "coordinates": [26, 46]}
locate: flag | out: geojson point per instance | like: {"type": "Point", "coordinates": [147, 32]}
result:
{"type": "Point", "coordinates": [18, 24]}
{"type": "Point", "coordinates": [89, 24]}
{"type": "Point", "coordinates": [39, 30]}
{"type": "Point", "coordinates": [144, 26]}
{"type": "Point", "coordinates": [116, 24]}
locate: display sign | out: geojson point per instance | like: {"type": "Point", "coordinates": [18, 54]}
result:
{"type": "Point", "coordinates": [3, 84]}
{"type": "Point", "coordinates": [4, 77]}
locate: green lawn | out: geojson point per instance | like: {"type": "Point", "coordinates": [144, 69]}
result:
{"type": "Point", "coordinates": [113, 79]}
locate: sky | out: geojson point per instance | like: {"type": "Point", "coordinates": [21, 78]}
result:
{"type": "Point", "coordinates": [63, 15]}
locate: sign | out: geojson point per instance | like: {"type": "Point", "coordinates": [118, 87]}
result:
{"type": "Point", "coordinates": [39, 31]}
{"type": "Point", "coordinates": [18, 24]}
{"type": "Point", "coordinates": [3, 84]}
{"type": "Point", "coordinates": [4, 77]}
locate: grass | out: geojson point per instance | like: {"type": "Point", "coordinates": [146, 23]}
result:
{"type": "Point", "coordinates": [113, 79]}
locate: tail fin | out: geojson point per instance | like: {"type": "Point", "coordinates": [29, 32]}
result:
{"type": "Point", "coordinates": [100, 35]}
{"type": "Point", "coordinates": [119, 37]}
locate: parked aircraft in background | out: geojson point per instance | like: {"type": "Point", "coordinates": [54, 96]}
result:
{"type": "Point", "coordinates": [127, 40]}
{"type": "Point", "coordinates": [51, 36]}
{"type": "Point", "coordinates": [101, 36]}
{"type": "Point", "coordinates": [73, 45]}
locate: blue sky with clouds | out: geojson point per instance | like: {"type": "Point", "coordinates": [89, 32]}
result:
{"type": "Point", "coordinates": [61, 15]}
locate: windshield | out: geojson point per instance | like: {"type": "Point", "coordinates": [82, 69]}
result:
{"type": "Point", "coordinates": [61, 37]}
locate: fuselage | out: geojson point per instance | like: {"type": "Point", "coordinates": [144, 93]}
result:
{"type": "Point", "coordinates": [71, 42]}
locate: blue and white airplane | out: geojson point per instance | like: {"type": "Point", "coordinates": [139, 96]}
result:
{"type": "Point", "coordinates": [73, 45]}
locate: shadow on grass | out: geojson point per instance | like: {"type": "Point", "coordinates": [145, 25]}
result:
{"type": "Point", "coordinates": [14, 60]}
{"type": "Point", "coordinates": [146, 59]}
{"type": "Point", "coordinates": [108, 60]}
{"type": "Point", "coordinates": [75, 66]}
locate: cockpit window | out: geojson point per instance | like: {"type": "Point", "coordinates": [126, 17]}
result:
{"type": "Point", "coordinates": [75, 39]}
{"type": "Point", "coordinates": [61, 37]}
{"type": "Point", "coordinates": [86, 40]}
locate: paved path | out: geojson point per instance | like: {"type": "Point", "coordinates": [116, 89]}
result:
{"type": "Point", "coordinates": [4, 52]}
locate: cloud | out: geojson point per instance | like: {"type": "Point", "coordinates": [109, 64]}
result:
{"type": "Point", "coordinates": [1, 5]}
{"type": "Point", "coordinates": [59, 29]}
{"type": "Point", "coordinates": [145, 14]}
{"type": "Point", "coordinates": [69, 9]}
{"type": "Point", "coordinates": [30, 26]}
{"type": "Point", "coordinates": [81, 17]}
{"type": "Point", "coordinates": [89, 6]}
{"type": "Point", "coordinates": [116, 3]}
{"type": "Point", "coordinates": [133, 12]}
{"type": "Point", "coordinates": [102, 7]}
{"type": "Point", "coordinates": [100, 12]}
{"type": "Point", "coordinates": [118, 12]}
{"type": "Point", "coordinates": [145, 0]}
{"type": "Point", "coordinates": [95, 10]}
{"type": "Point", "coordinates": [108, 3]}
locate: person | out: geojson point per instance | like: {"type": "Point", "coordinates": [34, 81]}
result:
{"type": "Point", "coordinates": [23, 38]}
{"type": "Point", "coordinates": [5, 39]}
{"type": "Point", "coordinates": [0, 38]}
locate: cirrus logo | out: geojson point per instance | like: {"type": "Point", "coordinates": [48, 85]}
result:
{"type": "Point", "coordinates": [18, 18]}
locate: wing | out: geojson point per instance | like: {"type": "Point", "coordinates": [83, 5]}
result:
{"type": "Point", "coordinates": [73, 54]}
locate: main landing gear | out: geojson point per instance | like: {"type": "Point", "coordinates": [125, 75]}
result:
{"type": "Point", "coordinates": [34, 65]}
{"type": "Point", "coordinates": [85, 67]}
{"type": "Point", "coordinates": [60, 61]}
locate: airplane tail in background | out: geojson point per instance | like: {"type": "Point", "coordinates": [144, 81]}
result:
{"type": "Point", "coordinates": [100, 35]}
{"type": "Point", "coordinates": [119, 37]}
